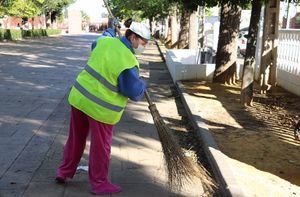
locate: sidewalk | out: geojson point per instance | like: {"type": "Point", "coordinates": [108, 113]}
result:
{"type": "Point", "coordinates": [137, 163]}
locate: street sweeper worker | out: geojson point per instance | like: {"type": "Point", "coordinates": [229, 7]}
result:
{"type": "Point", "coordinates": [98, 99]}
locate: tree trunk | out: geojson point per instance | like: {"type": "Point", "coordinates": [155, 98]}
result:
{"type": "Point", "coordinates": [150, 24]}
{"type": "Point", "coordinates": [169, 34]}
{"type": "Point", "coordinates": [248, 70]}
{"type": "Point", "coordinates": [184, 29]}
{"type": "Point", "coordinates": [174, 34]}
{"type": "Point", "coordinates": [53, 17]}
{"type": "Point", "coordinates": [166, 29]}
{"type": "Point", "coordinates": [32, 23]}
{"type": "Point", "coordinates": [227, 46]}
{"type": "Point", "coordinates": [193, 31]}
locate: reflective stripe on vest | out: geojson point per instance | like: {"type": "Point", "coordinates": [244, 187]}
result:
{"type": "Point", "coordinates": [93, 98]}
{"type": "Point", "coordinates": [101, 79]}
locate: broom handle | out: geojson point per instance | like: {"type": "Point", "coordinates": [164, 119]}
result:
{"type": "Point", "coordinates": [111, 14]}
{"type": "Point", "coordinates": [148, 97]}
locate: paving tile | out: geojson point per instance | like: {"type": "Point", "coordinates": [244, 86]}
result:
{"type": "Point", "coordinates": [44, 189]}
{"type": "Point", "coordinates": [142, 189]}
{"type": "Point", "coordinates": [9, 193]}
{"type": "Point", "coordinates": [79, 189]}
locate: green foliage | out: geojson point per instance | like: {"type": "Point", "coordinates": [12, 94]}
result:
{"type": "Point", "coordinates": [4, 4]}
{"type": "Point", "coordinates": [156, 9]}
{"type": "Point", "coordinates": [34, 33]}
{"type": "Point", "coordinates": [54, 8]}
{"type": "Point", "coordinates": [31, 8]}
{"type": "Point", "coordinates": [40, 32]}
{"type": "Point", "coordinates": [3, 7]}
{"type": "Point", "coordinates": [3, 34]}
{"type": "Point", "coordinates": [139, 9]}
{"type": "Point", "coordinates": [14, 34]}
{"type": "Point", "coordinates": [10, 34]}
{"type": "Point", "coordinates": [55, 5]}
{"type": "Point", "coordinates": [50, 32]}
{"type": "Point", "coordinates": [25, 8]}
{"type": "Point", "coordinates": [85, 16]}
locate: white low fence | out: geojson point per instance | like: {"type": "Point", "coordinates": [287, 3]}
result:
{"type": "Point", "coordinates": [288, 60]}
{"type": "Point", "coordinates": [182, 65]}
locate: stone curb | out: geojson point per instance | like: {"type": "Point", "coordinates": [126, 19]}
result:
{"type": "Point", "coordinates": [221, 169]}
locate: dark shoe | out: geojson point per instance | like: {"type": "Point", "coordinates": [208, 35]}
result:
{"type": "Point", "coordinates": [60, 180]}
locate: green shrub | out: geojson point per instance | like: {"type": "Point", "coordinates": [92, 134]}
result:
{"type": "Point", "coordinates": [16, 34]}
{"type": "Point", "coordinates": [7, 35]}
{"type": "Point", "coordinates": [1, 34]}
{"type": "Point", "coordinates": [32, 33]}
{"type": "Point", "coordinates": [50, 32]}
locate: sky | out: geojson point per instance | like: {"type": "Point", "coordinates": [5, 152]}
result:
{"type": "Point", "coordinates": [94, 8]}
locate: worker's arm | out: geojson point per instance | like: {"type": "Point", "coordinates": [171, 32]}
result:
{"type": "Point", "coordinates": [130, 85]}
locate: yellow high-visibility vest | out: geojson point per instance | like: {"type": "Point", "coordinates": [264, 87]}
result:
{"type": "Point", "coordinates": [95, 91]}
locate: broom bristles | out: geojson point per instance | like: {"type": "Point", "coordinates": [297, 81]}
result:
{"type": "Point", "coordinates": [179, 167]}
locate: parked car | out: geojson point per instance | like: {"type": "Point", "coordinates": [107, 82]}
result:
{"type": "Point", "coordinates": [242, 43]}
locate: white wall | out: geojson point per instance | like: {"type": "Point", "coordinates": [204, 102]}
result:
{"type": "Point", "coordinates": [182, 65]}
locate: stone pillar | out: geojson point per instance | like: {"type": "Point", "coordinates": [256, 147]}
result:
{"type": "Point", "coordinates": [74, 19]}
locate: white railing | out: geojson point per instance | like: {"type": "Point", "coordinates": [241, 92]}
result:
{"type": "Point", "coordinates": [288, 60]}
{"type": "Point", "coordinates": [289, 51]}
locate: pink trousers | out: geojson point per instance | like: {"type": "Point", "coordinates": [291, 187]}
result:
{"type": "Point", "coordinates": [101, 139]}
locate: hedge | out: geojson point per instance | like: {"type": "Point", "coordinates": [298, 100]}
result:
{"type": "Point", "coordinates": [16, 34]}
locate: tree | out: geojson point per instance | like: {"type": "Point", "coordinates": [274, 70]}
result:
{"type": "Point", "coordinates": [248, 70]}
{"type": "Point", "coordinates": [25, 8]}
{"type": "Point", "coordinates": [227, 46]}
{"type": "Point", "coordinates": [54, 8]}
{"type": "Point", "coordinates": [139, 9]}
{"type": "Point", "coordinates": [31, 8]}
{"type": "Point", "coordinates": [21, 8]}
{"type": "Point", "coordinates": [187, 7]}
{"type": "Point", "coordinates": [85, 17]}
{"type": "Point", "coordinates": [4, 4]}
{"type": "Point", "coordinates": [184, 29]}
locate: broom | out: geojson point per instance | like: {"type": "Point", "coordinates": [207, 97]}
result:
{"type": "Point", "coordinates": [179, 167]}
